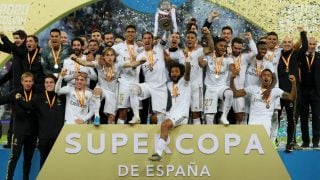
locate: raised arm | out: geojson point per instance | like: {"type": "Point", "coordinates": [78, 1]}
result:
{"type": "Point", "coordinates": [134, 64]}
{"type": "Point", "coordinates": [202, 62]}
{"type": "Point", "coordinates": [304, 41]}
{"type": "Point", "coordinates": [252, 45]}
{"type": "Point", "coordinates": [208, 37]}
{"type": "Point", "coordinates": [292, 95]}
{"type": "Point", "coordinates": [187, 70]}
{"type": "Point", "coordinates": [236, 92]}
{"type": "Point", "coordinates": [81, 61]}
{"type": "Point", "coordinates": [58, 89]}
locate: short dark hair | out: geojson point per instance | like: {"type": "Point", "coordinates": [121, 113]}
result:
{"type": "Point", "coordinates": [236, 40]}
{"type": "Point", "coordinates": [149, 33]}
{"type": "Point", "coordinates": [178, 65]}
{"type": "Point", "coordinates": [189, 26]}
{"type": "Point", "coordinates": [192, 32]}
{"type": "Point", "coordinates": [227, 28]}
{"type": "Point", "coordinates": [77, 39]}
{"type": "Point", "coordinates": [51, 76]}
{"type": "Point", "coordinates": [108, 32]}
{"type": "Point", "coordinates": [272, 33]}
{"type": "Point", "coordinates": [261, 43]}
{"type": "Point", "coordinates": [217, 40]}
{"type": "Point", "coordinates": [22, 34]}
{"type": "Point", "coordinates": [93, 40]}
{"type": "Point", "coordinates": [131, 26]}
{"type": "Point", "coordinates": [55, 30]}
{"type": "Point", "coordinates": [36, 39]}
{"type": "Point", "coordinates": [95, 30]}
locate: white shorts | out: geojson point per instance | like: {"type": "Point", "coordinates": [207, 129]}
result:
{"type": "Point", "coordinates": [159, 96]}
{"type": "Point", "coordinates": [266, 122]}
{"type": "Point", "coordinates": [177, 119]}
{"type": "Point", "coordinates": [277, 104]}
{"type": "Point", "coordinates": [211, 98]}
{"type": "Point", "coordinates": [196, 98]}
{"type": "Point", "coordinates": [123, 98]}
{"type": "Point", "coordinates": [111, 102]}
{"type": "Point", "coordinates": [238, 104]}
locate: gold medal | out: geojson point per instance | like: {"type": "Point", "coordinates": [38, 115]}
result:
{"type": "Point", "coordinates": [150, 68]}
{"type": "Point", "coordinates": [310, 63]}
{"type": "Point", "coordinates": [268, 106]}
{"type": "Point", "coordinates": [287, 70]}
{"type": "Point", "coordinates": [217, 76]}
{"type": "Point", "coordinates": [56, 57]}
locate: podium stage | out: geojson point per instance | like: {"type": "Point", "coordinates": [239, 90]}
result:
{"type": "Point", "coordinates": [300, 164]}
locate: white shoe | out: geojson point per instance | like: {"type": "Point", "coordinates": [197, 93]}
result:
{"type": "Point", "coordinates": [135, 120]}
{"type": "Point", "coordinates": [224, 120]}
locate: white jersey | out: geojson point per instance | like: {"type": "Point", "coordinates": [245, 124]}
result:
{"type": "Point", "coordinates": [125, 53]}
{"type": "Point", "coordinates": [252, 77]}
{"type": "Point", "coordinates": [196, 74]}
{"type": "Point", "coordinates": [274, 57]}
{"type": "Point", "coordinates": [258, 106]}
{"type": "Point", "coordinates": [180, 97]}
{"type": "Point", "coordinates": [108, 76]}
{"type": "Point", "coordinates": [215, 78]}
{"type": "Point", "coordinates": [154, 69]}
{"type": "Point", "coordinates": [176, 56]}
{"type": "Point", "coordinates": [77, 104]}
{"type": "Point", "coordinates": [73, 67]}
{"type": "Point", "coordinates": [243, 60]}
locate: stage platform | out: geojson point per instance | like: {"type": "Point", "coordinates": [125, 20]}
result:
{"type": "Point", "coordinates": [301, 165]}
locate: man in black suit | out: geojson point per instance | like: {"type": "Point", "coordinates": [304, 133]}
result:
{"type": "Point", "coordinates": [310, 94]}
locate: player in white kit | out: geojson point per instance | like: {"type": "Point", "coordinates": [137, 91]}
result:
{"type": "Point", "coordinates": [194, 52]}
{"type": "Point", "coordinates": [154, 86]}
{"type": "Point", "coordinates": [261, 109]}
{"type": "Point", "coordinates": [73, 67]}
{"type": "Point", "coordinates": [241, 61]}
{"type": "Point", "coordinates": [217, 82]}
{"type": "Point", "coordinates": [127, 52]}
{"type": "Point", "coordinates": [180, 91]}
{"type": "Point", "coordinates": [78, 99]}
{"type": "Point", "coordinates": [108, 73]}
{"type": "Point", "coordinates": [273, 55]}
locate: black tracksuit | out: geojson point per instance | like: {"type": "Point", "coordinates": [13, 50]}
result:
{"type": "Point", "coordinates": [310, 95]}
{"type": "Point", "coordinates": [20, 54]}
{"type": "Point", "coordinates": [285, 84]}
{"type": "Point", "coordinates": [50, 120]}
{"type": "Point", "coordinates": [24, 134]}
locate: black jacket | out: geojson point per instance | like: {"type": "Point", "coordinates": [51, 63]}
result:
{"type": "Point", "coordinates": [17, 58]}
{"type": "Point", "coordinates": [50, 120]}
{"type": "Point", "coordinates": [283, 75]}
{"type": "Point", "coordinates": [20, 54]}
{"type": "Point", "coordinates": [310, 80]}
{"type": "Point", "coordinates": [24, 121]}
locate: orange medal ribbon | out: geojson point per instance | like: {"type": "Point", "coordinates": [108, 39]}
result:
{"type": "Point", "coordinates": [33, 57]}
{"type": "Point", "coordinates": [28, 98]}
{"type": "Point", "coordinates": [50, 103]}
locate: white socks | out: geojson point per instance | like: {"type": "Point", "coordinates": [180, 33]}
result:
{"type": "Point", "coordinates": [161, 145]}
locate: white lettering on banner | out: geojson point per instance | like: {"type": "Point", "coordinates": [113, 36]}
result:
{"type": "Point", "coordinates": [229, 143]}
{"type": "Point", "coordinates": [190, 170]}
{"type": "Point", "coordinates": [102, 144]}
{"type": "Point", "coordinates": [178, 144]}
{"type": "Point", "coordinates": [215, 143]}
{"type": "Point", "coordinates": [140, 143]}
{"type": "Point", "coordinates": [77, 145]}
{"type": "Point", "coordinates": [13, 16]}
{"type": "Point", "coordinates": [118, 140]}
{"type": "Point", "coordinates": [254, 144]}
{"type": "Point", "coordinates": [137, 143]}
